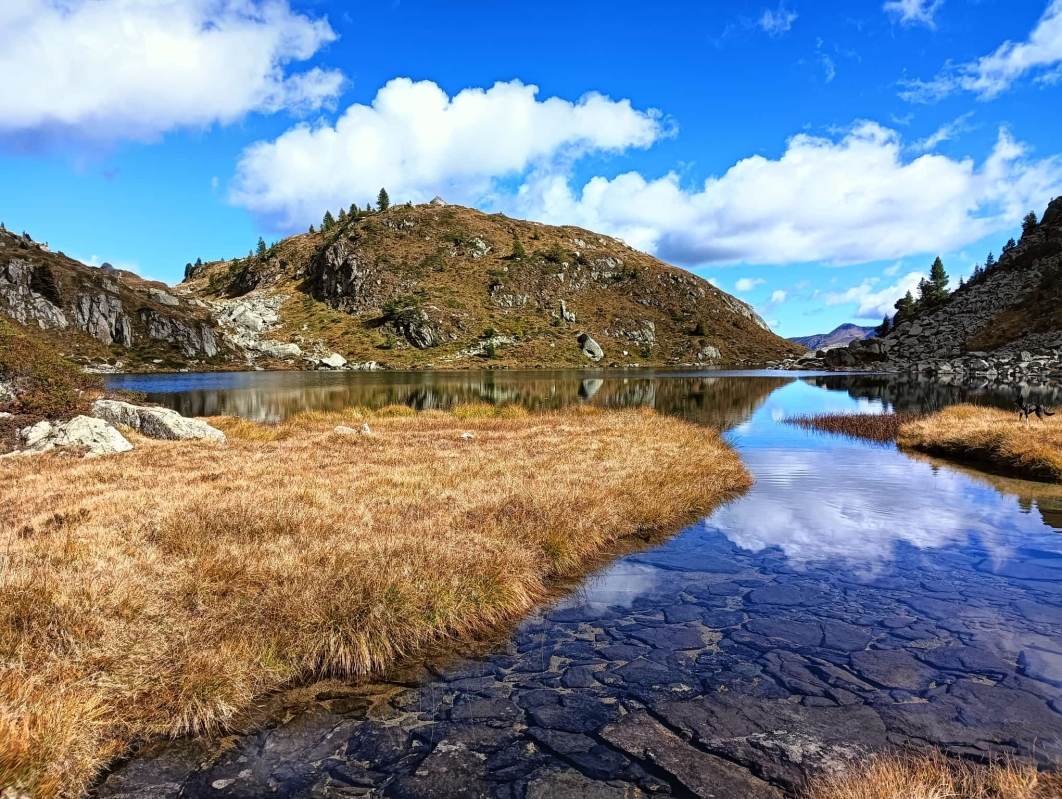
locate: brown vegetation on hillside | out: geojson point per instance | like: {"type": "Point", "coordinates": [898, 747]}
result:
{"type": "Point", "coordinates": [471, 277]}
{"type": "Point", "coordinates": [936, 776]}
{"type": "Point", "coordinates": [68, 285]}
{"type": "Point", "coordinates": [158, 592]}
{"type": "Point", "coordinates": [993, 437]}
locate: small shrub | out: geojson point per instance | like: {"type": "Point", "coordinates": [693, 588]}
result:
{"type": "Point", "coordinates": [475, 410]}
{"type": "Point", "coordinates": [489, 332]}
{"type": "Point", "coordinates": [490, 350]}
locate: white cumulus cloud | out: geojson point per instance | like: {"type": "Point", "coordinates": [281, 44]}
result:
{"type": "Point", "coordinates": [914, 12]}
{"type": "Point", "coordinates": [993, 74]}
{"type": "Point", "coordinates": [848, 199]}
{"type": "Point", "coordinates": [748, 283]}
{"type": "Point", "coordinates": [778, 21]}
{"type": "Point", "coordinates": [874, 302]}
{"type": "Point", "coordinates": [135, 69]}
{"type": "Point", "coordinates": [778, 296]}
{"type": "Point", "coordinates": [417, 141]}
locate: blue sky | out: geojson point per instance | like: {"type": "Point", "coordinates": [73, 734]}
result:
{"type": "Point", "coordinates": [809, 157]}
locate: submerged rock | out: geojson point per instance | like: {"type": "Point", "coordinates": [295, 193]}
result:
{"type": "Point", "coordinates": [81, 431]}
{"type": "Point", "coordinates": [155, 422]}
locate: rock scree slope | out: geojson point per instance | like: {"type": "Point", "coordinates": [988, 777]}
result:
{"type": "Point", "coordinates": [1006, 324]}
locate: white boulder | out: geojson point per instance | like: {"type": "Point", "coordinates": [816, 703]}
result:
{"type": "Point", "coordinates": [81, 431]}
{"type": "Point", "coordinates": [155, 422]}
{"type": "Point", "coordinates": [334, 361]}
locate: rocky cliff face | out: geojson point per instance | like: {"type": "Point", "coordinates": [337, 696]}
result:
{"type": "Point", "coordinates": [451, 286]}
{"type": "Point", "coordinates": [1007, 324]}
{"type": "Point", "coordinates": [104, 318]}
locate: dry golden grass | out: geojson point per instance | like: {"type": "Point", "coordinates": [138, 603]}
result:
{"type": "Point", "coordinates": [880, 427]}
{"type": "Point", "coordinates": [993, 437]}
{"type": "Point", "coordinates": [158, 592]}
{"type": "Point", "coordinates": [936, 776]}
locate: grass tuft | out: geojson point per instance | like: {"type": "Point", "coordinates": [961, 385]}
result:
{"type": "Point", "coordinates": [936, 776]}
{"type": "Point", "coordinates": [185, 579]}
{"type": "Point", "coordinates": [880, 427]}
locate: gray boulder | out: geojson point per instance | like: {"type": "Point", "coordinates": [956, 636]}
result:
{"type": "Point", "coordinates": [155, 422]}
{"type": "Point", "coordinates": [591, 349]}
{"type": "Point", "coordinates": [334, 361]}
{"type": "Point", "coordinates": [81, 431]}
{"type": "Point", "coordinates": [162, 297]}
{"type": "Point", "coordinates": [7, 392]}
{"type": "Point", "coordinates": [276, 349]}
{"type": "Point", "coordinates": [566, 315]}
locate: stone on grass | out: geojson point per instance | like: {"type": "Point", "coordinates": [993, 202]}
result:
{"type": "Point", "coordinates": [82, 431]}
{"type": "Point", "coordinates": [155, 422]}
{"type": "Point", "coordinates": [334, 361]}
{"type": "Point", "coordinates": [468, 436]}
{"type": "Point", "coordinates": [591, 349]}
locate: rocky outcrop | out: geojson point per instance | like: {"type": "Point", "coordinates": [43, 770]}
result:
{"type": "Point", "coordinates": [95, 435]}
{"type": "Point", "coordinates": [101, 316]}
{"type": "Point", "coordinates": [22, 303]}
{"type": "Point", "coordinates": [945, 340]}
{"type": "Point", "coordinates": [192, 341]}
{"type": "Point", "coordinates": [155, 422]}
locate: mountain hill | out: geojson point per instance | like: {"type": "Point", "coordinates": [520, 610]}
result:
{"type": "Point", "coordinates": [102, 316]}
{"type": "Point", "coordinates": [431, 285]}
{"type": "Point", "coordinates": [454, 287]}
{"type": "Point", "coordinates": [1005, 322]}
{"type": "Point", "coordinates": [840, 336]}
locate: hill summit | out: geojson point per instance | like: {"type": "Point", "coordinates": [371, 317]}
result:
{"type": "Point", "coordinates": [448, 286]}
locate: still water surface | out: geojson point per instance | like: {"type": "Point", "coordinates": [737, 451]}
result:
{"type": "Point", "coordinates": [855, 599]}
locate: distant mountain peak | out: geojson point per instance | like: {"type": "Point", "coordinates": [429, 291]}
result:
{"type": "Point", "coordinates": [840, 336]}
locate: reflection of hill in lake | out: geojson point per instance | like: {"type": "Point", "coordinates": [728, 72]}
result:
{"type": "Point", "coordinates": [270, 396]}
{"type": "Point", "coordinates": [1044, 497]}
{"type": "Point", "coordinates": [923, 393]}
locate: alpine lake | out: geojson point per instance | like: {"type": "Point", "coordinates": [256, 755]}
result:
{"type": "Point", "coordinates": [856, 599]}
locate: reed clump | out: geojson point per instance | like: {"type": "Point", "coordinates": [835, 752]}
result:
{"type": "Point", "coordinates": [992, 437]}
{"type": "Point", "coordinates": [936, 776]}
{"type": "Point", "coordinates": [160, 591]}
{"type": "Point", "coordinates": [880, 427]}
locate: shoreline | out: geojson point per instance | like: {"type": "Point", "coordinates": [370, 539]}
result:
{"type": "Point", "coordinates": [225, 572]}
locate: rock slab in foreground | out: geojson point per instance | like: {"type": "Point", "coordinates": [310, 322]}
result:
{"type": "Point", "coordinates": [155, 422]}
{"type": "Point", "coordinates": [704, 775]}
{"type": "Point", "coordinates": [81, 431]}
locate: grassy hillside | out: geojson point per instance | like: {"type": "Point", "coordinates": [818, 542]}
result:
{"type": "Point", "coordinates": [100, 316]}
{"type": "Point", "coordinates": [451, 286]}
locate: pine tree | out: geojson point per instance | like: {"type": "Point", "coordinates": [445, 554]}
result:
{"type": "Point", "coordinates": [353, 210]}
{"type": "Point", "coordinates": [962, 283]}
{"type": "Point", "coordinates": [938, 282]}
{"type": "Point", "coordinates": [990, 261]}
{"type": "Point", "coordinates": [1028, 223]}
{"type": "Point", "coordinates": [977, 273]}
{"type": "Point", "coordinates": [883, 328]}
{"type": "Point", "coordinates": [261, 247]}
{"type": "Point", "coordinates": [518, 248]}
{"type": "Point", "coordinates": [383, 202]}
{"type": "Point", "coordinates": [925, 294]}
{"type": "Point", "coordinates": [187, 271]}
{"type": "Point", "coordinates": [198, 262]}
{"type": "Point", "coordinates": [1010, 245]}
{"type": "Point", "coordinates": [342, 215]}
{"type": "Point", "coordinates": [905, 308]}
{"type": "Point", "coordinates": [328, 222]}
{"type": "Point", "coordinates": [312, 230]}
